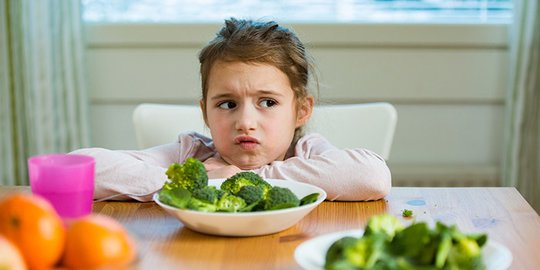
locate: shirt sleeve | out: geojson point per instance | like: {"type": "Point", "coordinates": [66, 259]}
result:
{"type": "Point", "coordinates": [345, 174]}
{"type": "Point", "coordinates": [132, 172]}
{"type": "Point", "coordinates": [142, 172]}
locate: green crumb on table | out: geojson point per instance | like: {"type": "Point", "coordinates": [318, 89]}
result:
{"type": "Point", "coordinates": [407, 213]}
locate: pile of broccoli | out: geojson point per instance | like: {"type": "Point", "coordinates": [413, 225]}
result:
{"type": "Point", "coordinates": [386, 244]}
{"type": "Point", "coordinates": [187, 188]}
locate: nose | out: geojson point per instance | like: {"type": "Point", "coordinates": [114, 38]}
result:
{"type": "Point", "coordinates": [246, 119]}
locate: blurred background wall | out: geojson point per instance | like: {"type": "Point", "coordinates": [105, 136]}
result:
{"type": "Point", "coordinates": [447, 81]}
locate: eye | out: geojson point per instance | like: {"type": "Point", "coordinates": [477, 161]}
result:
{"type": "Point", "coordinates": [268, 102]}
{"type": "Point", "coordinates": [227, 105]}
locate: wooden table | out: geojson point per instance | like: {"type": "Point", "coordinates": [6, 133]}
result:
{"type": "Point", "coordinates": [163, 242]}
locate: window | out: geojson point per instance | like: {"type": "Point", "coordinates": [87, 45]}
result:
{"type": "Point", "coordinates": [299, 11]}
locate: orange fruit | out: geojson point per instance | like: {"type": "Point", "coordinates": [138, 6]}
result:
{"type": "Point", "coordinates": [10, 257]}
{"type": "Point", "coordinates": [97, 241]}
{"type": "Point", "coordinates": [31, 223]}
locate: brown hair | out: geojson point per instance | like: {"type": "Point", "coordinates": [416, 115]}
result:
{"type": "Point", "coordinates": [259, 42]}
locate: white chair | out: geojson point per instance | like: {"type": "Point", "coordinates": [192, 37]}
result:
{"type": "Point", "coordinates": [157, 124]}
{"type": "Point", "coordinates": [367, 125]}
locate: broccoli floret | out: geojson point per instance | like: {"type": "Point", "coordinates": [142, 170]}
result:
{"type": "Point", "coordinates": [205, 199]}
{"type": "Point", "coordinates": [233, 186]}
{"type": "Point", "coordinates": [457, 250]}
{"type": "Point", "coordinates": [230, 203]}
{"type": "Point", "coordinates": [385, 224]}
{"type": "Point", "coordinates": [465, 254]}
{"type": "Point", "coordinates": [234, 183]}
{"type": "Point", "coordinates": [201, 205]}
{"type": "Point", "coordinates": [190, 175]}
{"type": "Point", "coordinates": [220, 193]}
{"type": "Point", "coordinates": [406, 213]}
{"type": "Point", "coordinates": [415, 241]}
{"type": "Point", "coordinates": [366, 251]}
{"type": "Point", "coordinates": [255, 178]}
{"type": "Point", "coordinates": [335, 258]}
{"type": "Point", "coordinates": [280, 198]}
{"type": "Point", "coordinates": [208, 194]}
{"type": "Point", "coordinates": [251, 194]}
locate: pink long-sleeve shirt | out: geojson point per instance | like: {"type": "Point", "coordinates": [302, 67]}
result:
{"type": "Point", "coordinates": [345, 174]}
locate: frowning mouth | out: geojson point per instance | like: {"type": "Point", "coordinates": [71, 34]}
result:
{"type": "Point", "coordinates": [246, 142]}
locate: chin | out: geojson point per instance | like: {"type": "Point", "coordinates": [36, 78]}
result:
{"type": "Point", "coordinates": [248, 165]}
{"type": "Point", "coordinates": [248, 162]}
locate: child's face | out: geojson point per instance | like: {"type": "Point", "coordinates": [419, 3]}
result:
{"type": "Point", "coordinates": [251, 113]}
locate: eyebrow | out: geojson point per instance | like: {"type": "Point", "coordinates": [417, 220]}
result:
{"type": "Point", "coordinates": [258, 92]}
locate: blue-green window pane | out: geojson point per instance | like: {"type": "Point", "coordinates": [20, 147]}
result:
{"type": "Point", "coordinates": [303, 11]}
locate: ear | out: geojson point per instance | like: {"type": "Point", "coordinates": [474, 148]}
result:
{"type": "Point", "coordinates": [203, 110]}
{"type": "Point", "coordinates": [304, 111]}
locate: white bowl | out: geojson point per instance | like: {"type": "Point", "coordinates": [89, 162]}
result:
{"type": "Point", "coordinates": [248, 223]}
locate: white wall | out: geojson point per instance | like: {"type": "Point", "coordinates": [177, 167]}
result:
{"type": "Point", "coordinates": [447, 82]}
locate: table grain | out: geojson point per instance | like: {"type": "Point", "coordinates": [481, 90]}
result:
{"type": "Point", "coordinates": [164, 243]}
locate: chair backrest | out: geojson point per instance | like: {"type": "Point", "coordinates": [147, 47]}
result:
{"type": "Point", "coordinates": [367, 125]}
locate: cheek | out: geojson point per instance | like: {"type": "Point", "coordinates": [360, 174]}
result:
{"type": "Point", "coordinates": [218, 130]}
{"type": "Point", "coordinates": [217, 125]}
{"type": "Point", "coordinates": [213, 122]}
{"type": "Point", "coordinates": [284, 124]}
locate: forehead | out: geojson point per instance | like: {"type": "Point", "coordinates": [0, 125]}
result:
{"type": "Point", "coordinates": [255, 74]}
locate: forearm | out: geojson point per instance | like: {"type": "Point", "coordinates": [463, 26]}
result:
{"type": "Point", "coordinates": [133, 172]}
{"type": "Point", "coordinates": [346, 175]}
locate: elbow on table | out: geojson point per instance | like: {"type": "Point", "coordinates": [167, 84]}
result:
{"type": "Point", "coordinates": [373, 178]}
{"type": "Point", "coordinates": [382, 188]}
{"type": "Point", "coordinates": [382, 183]}
{"type": "Point", "coordinates": [374, 186]}
{"type": "Point", "coordinates": [370, 187]}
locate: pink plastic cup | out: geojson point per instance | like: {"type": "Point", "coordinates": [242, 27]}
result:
{"type": "Point", "coordinates": [65, 180]}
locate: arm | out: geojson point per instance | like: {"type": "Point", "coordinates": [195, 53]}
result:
{"type": "Point", "coordinates": [143, 172]}
{"type": "Point", "coordinates": [218, 168]}
{"type": "Point", "coordinates": [345, 174]}
{"type": "Point", "coordinates": [135, 172]}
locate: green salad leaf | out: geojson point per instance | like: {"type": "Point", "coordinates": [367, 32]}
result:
{"type": "Point", "coordinates": [177, 197]}
{"type": "Point", "coordinates": [311, 198]}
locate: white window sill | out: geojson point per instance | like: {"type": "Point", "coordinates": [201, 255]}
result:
{"type": "Point", "coordinates": [489, 35]}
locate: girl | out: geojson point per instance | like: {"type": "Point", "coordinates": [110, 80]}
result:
{"type": "Point", "coordinates": [255, 102]}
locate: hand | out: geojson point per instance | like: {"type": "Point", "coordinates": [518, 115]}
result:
{"type": "Point", "coordinates": [218, 168]}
